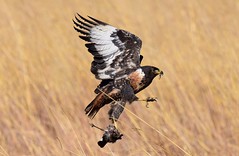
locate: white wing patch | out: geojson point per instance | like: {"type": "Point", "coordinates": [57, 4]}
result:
{"type": "Point", "coordinates": [110, 47]}
{"type": "Point", "coordinates": [101, 36]}
{"type": "Point", "coordinates": [102, 31]}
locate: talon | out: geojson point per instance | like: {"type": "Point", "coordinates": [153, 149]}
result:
{"type": "Point", "coordinates": [151, 99]}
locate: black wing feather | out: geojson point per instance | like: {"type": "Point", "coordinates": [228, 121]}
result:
{"type": "Point", "coordinates": [86, 38]}
{"type": "Point", "coordinates": [98, 21]}
{"type": "Point", "coordinates": [141, 58]}
{"type": "Point", "coordinates": [89, 21]}
{"type": "Point", "coordinates": [83, 23]}
{"type": "Point", "coordinates": [81, 31]}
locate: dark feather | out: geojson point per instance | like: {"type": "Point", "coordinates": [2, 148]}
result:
{"type": "Point", "coordinates": [81, 26]}
{"type": "Point", "coordinates": [91, 111]}
{"type": "Point", "coordinates": [91, 46]}
{"type": "Point", "coordinates": [141, 58]}
{"type": "Point", "coordinates": [95, 53]}
{"type": "Point", "coordinates": [98, 21]}
{"type": "Point", "coordinates": [83, 23]}
{"type": "Point", "coordinates": [102, 85]}
{"type": "Point", "coordinates": [89, 21]}
{"type": "Point", "coordinates": [85, 38]}
{"type": "Point", "coordinates": [98, 60]}
{"type": "Point", "coordinates": [81, 31]}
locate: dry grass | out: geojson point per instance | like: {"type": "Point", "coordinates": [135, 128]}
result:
{"type": "Point", "coordinates": [45, 81]}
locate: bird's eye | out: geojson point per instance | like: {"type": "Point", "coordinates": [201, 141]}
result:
{"type": "Point", "coordinates": [156, 71]}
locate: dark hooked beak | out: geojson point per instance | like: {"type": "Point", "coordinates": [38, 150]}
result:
{"type": "Point", "coordinates": [159, 72]}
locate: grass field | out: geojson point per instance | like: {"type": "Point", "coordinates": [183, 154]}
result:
{"type": "Point", "coordinates": [45, 81]}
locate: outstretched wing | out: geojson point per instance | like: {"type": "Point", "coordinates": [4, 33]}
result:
{"type": "Point", "coordinates": [116, 52]}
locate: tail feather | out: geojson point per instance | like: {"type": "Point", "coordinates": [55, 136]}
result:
{"type": "Point", "coordinates": [100, 100]}
{"type": "Point", "coordinates": [91, 110]}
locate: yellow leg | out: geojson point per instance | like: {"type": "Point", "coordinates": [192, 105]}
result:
{"type": "Point", "coordinates": [114, 122]}
{"type": "Point", "coordinates": [149, 99]}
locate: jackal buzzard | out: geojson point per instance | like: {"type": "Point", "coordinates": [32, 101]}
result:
{"type": "Point", "coordinates": [116, 62]}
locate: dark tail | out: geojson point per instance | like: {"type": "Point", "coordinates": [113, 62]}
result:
{"type": "Point", "coordinates": [100, 100]}
{"type": "Point", "coordinates": [92, 109]}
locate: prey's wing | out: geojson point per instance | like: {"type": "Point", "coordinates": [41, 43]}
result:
{"type": "Point", "coordinates": [116, 52]}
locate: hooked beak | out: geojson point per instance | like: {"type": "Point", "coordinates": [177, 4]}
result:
{"type": "Point", "coordinates": [159, 72]}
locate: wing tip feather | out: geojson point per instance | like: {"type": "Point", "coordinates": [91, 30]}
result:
{"type": "Point", "coordinates": [85, 38]}
{"type": "Point", "coordinates": [98, 21]}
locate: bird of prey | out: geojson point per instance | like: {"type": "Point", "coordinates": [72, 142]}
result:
{"type": "Point", "coordinates": [116, 63]}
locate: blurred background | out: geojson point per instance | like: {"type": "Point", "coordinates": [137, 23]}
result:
{"type": "Point", "coordinates": [45, 79]}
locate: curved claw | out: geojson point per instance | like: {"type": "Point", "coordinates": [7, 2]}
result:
{"type": "Point", "coordinates": [150, 99]}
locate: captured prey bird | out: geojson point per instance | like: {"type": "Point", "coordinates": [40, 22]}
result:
{"type": "Point", "coordinates": [116, 63]}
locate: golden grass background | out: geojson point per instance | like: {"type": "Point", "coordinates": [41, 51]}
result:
{"type": "Point", "coordinates": [45, 81]}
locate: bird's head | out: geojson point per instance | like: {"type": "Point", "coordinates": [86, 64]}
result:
{"type": "Point", "coordinates": [157, 71]}
{"type": "Point", "coordinates": [152, 72]}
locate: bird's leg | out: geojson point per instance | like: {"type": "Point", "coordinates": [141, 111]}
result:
{"type": "Point", "coordinates": [114, 122]}
{"type": "Point", "coordinates": [115, 111]}
{"type": "Point", "coordinates": [149, 99]}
